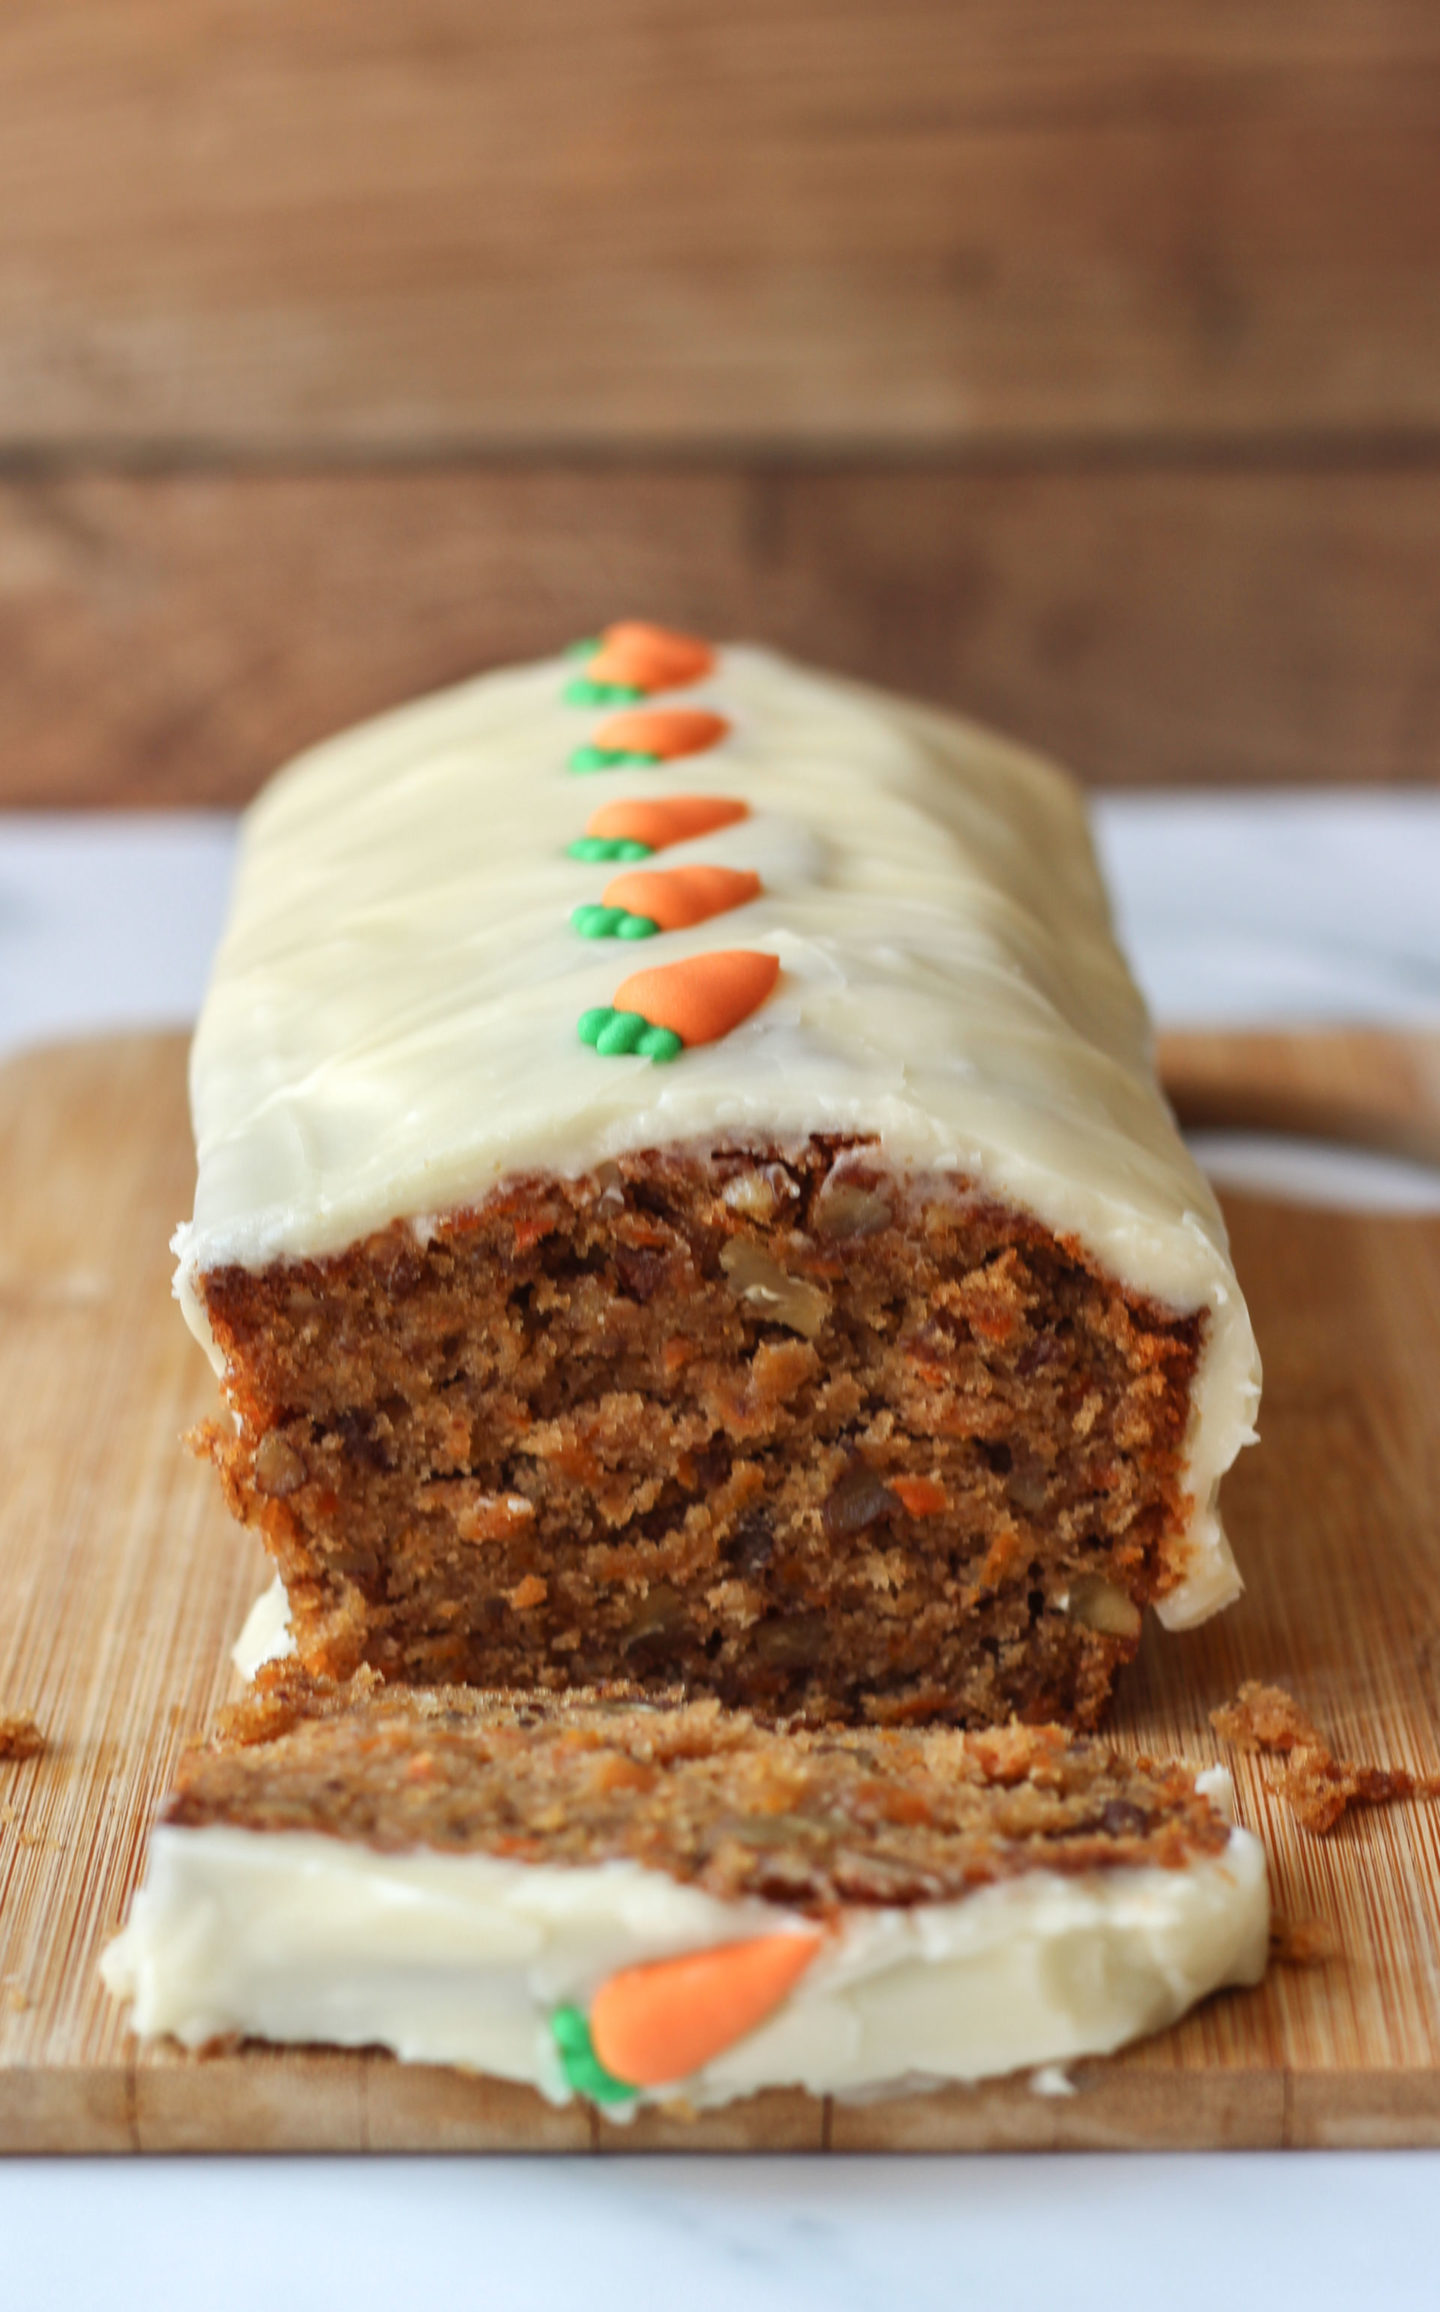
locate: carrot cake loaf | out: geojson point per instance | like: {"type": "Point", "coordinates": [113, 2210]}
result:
{"type": "Point", "coordinates": [683, 1197]}
{"type": "Point", "coordinates": [634, 1902]}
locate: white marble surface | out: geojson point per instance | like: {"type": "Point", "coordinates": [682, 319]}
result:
{"type": "Point", "coordinates": [1203, 2233]}
{"type": "Point", "coordinates": [1245, 908]}
{"type": "Point", "coordinates": [1258, 909]}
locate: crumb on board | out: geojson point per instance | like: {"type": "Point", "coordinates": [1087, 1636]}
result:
{"type": "Point", "coordinates": [1302, 1942]}
{"type": "Point", "coordinates": [20, 1737]}
{"type": "Point", "coordinates": [1317, 1786]}
{"type": "Point", "coordinates": [1265, 1718]}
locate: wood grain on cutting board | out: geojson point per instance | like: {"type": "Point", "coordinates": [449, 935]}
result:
{"type": "Point", "coordinates": [122, 1584]}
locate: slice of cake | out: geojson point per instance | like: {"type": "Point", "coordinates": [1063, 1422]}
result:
{"type": "Point", "coordinates": [683, 1197]}
{"type": "Point", "coordinates": [637, 1902]}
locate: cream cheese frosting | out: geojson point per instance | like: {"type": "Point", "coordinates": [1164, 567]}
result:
{"type": "Point", "coordinates": [392, 1023]}
{"type": "Point", "coordinates": [463, 1959]}
{"type": "Point", "coordinates": [265, 1635]}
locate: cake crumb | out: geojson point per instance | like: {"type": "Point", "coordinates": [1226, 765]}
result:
{"type": "Point", "coordinates": [1264, 1718]}
{"type": "Point", "coordinates": [1305, 1941]}
{"type": "Point", "coordinates": [20, 1737]}
{"type": "Point", "coordinates": [1316, 1785]}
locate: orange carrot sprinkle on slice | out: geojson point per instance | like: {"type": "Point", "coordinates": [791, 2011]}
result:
{"type": "Point", "coordinates": [665, 819]}
{"type": "Point", "coordinates": [675, 897]}
{"type": "Point", "coordinates": [650, 2025]}
{"type": "Point", "coordinates": [703, 997]}
{"type": "Point", "coordinates": [643, 657]}
{"type": "Point", "coordinates": [668, 732]}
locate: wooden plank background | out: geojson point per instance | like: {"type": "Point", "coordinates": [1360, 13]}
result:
{"type": "Point", "coordinates": [1076, 361]}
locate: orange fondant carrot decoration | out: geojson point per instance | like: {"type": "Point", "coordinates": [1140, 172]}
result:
{"type": "Point", "coordinates": [650, 2025]}
{"type": "Point", "coordinates": [668, 732]}
{"type": "Point", "coordinates": [665, 820]}
{"type": "Point", "coordinates": [638, 656]}
{"type": "Point", "coordinates": [703, 997]}
{"type": "Point", "coordinates": [674, 897]}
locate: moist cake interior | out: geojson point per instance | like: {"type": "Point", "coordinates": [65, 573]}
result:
{"type": "Point", "coordinates": [814, 1820]}
{"type": "Point", "coordinates": [774, 1422]}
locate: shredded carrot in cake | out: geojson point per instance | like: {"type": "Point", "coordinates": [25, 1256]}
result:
{"type": "Point", "coordinates": [921, 1496]}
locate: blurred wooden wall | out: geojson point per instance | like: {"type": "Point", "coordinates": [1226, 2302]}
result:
{"type": "Point", "coordinates": [1077, 361]}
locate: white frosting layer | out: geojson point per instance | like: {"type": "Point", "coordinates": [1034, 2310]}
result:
{"type": "Point", "coordinates": [266, 1636]}
{"type": "Point", "coordinates": [392, 1022]}
{"type": "Point", "coordinates": [461, 1959]}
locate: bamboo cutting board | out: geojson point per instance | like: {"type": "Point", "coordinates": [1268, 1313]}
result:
{"type": "Point", "coordinates": [122, 1584]}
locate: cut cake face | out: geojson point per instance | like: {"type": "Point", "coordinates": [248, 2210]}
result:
{"type": "Point", "coordinates": [787, 1427]}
